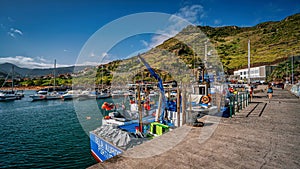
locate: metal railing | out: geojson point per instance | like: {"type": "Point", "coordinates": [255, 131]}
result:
{"type": "Point", "coordinates": [238, 102]}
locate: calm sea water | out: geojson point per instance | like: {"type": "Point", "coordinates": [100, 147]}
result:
{"type": "Point", "coordinates": [47, 134]}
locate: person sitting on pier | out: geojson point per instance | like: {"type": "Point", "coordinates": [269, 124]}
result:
{"type": "Point", "coordinates": [270, 91]}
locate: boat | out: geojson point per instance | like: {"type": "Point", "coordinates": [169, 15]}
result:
{"type": "Point", "coordinates": [85, 95]}
{"type": "Point", "coordinates": [102, 95]}
{"type": "Point", "coordinates": [120, 130]}
{"type": "Point", "coordinates": [47, 95]}
{"type": "Point", "coordinates": [71, 94]}
{"type": "Point", "coordinates": [53, 95]}
{"type": "Point", "coordinates": [10, 95]}
{"type": "Point", "coordinates": [123, 129]}
{"type": "Point", "coordinates": [40, 95]}
{"type": "Point", "coordinates": [121, 93]}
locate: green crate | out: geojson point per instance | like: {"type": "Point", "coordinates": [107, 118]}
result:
{"type": "Point", "coordinates": [157, 128]}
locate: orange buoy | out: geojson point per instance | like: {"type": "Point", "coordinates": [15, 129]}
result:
{"type": "Point", "coordinates": [107, 106]}
{"type": "Point", "coordinates": [147, 106]}
{"type": "Point", "coordinates": [205, 99]}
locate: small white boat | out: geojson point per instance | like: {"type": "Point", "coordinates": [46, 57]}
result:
{"type": "Point", "coordinates": [103, 95]}
{"type": "Point", "coordinates": [71, 94]}
{"type": "Point", "coordinates": [53, 95]}
{"type": "Point", "coordinates": [121, 93]}
{"type": "Point", "coordinates": [45, 95]}
{"type": "Point", "coordinates": [8, 95]}
{"type": "Point", "coordinates": [40, 95]}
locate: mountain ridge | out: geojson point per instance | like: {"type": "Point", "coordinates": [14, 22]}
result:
{"type": "Point", "coordinates": [6, 68]}
{"type": "Point", "coordinates": [272, 42]}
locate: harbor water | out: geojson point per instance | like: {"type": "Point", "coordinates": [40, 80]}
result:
{"type": "Point", "coordinates": [47, 134]}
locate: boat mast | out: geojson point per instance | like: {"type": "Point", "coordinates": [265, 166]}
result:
{"type": "Point", "coordinates": [54, 74]}
{"type": "Point", "coordinates": [102, 79]}
{"type": "Point", "coordinates": [12, 78]}
{"type": "Point", "coordinates": [140, 109]}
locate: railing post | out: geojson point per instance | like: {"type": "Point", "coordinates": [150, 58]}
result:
{"type": "Point", "coordinates": [247, 98]}
{"type": "Point", "coordinates": [237, 103]}
{"type": "Point", "coordinates": [231, 105]}
{"type": "Point", "coordinates": [241, 101]}
{"type": "Point", "coordinates": [244, 100]}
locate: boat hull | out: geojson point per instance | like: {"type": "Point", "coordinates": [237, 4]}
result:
{"type": "Point", "coordinates": [101, 149]}
{"type": "Point", "coordinates": [53, 97]}
{"type": "Point", "coordinates": [11, 98]}
{"type": "Point", "coordinates": [37, 97]}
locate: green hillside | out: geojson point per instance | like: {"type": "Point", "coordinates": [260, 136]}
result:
{"type": "Point", "coordinates": [271, 43]}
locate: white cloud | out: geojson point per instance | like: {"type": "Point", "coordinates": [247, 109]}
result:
{"type": "Point", "coordinates": [13, 32]}
{"type": "Point", "coordinates": [217, 21]}
{"type": "Point", "coordinates": [28, 62]}
{"type": "Point", "coordinates": [146, 44]}
{"type": "Point", "coordinates": [18, 31]}
{"type": "Point", "coordinates": [158, 39]}
{"type": "Point", "coordinates": [104, 54]}
{"type": "Point", "coordinates": [192, 14]}
{"type": "Point", "coordinates": [2, 26]}
{"type": "Point", "coordinates": [41, 59]}
{"type": "Point", "coordinates": [10, 19]}
{"type": "Point", "coordinates": [87, 63]}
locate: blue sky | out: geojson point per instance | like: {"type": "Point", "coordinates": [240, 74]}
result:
{"type": "Point", "coordinates": [35, 32]}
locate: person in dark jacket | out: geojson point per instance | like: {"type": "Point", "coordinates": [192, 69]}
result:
{"type": "Point", "coordinates": [270, 91]}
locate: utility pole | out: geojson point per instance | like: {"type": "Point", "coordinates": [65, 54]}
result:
{"type": "Point", "coordinates": [286, 75]}
{"type": "Point", "coordinates": [292, 69]}
{"type": "Point", "coordinates": [249, 81]}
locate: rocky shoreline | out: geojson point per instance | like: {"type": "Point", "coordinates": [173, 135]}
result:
{"type": "Point", "coordinates": [26, 88]}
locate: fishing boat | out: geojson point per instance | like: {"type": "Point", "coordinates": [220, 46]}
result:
{"type": "Point", "coordinates": [123, 129]}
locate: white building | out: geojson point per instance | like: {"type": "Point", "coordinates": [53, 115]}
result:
{"type": "Point", "coordinates": [256, 73]}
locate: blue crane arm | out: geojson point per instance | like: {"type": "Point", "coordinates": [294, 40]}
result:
{"type": "Point", "coordinates": [160, 86]}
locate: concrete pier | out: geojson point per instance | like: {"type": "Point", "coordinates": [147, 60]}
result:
{"type": "Point", "coordinates": [265, 137]}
